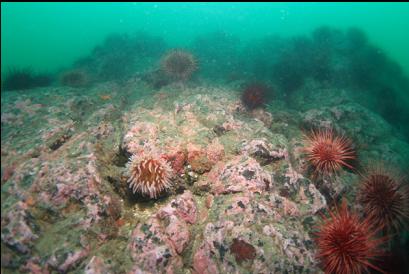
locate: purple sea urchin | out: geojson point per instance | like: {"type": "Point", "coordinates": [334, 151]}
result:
{"type": "Point", "coordinates": [149, 175]}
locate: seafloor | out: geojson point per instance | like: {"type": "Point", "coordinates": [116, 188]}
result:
{"type": "Point", "coordinates": [241, 201]}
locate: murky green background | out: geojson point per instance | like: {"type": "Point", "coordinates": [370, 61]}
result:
{"type": "Point", "coordinates": [47, 36]}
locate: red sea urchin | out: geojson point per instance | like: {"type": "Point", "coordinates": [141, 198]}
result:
{"type": "Point", "coordinates": [327, 152]}
{"type": "Point", "coordinates": [384, 197]}
{"type": "Point", "coordinates": [148, 175]}
{"type": "Point", "coordinates": [254, 95]}
{"type": "Point", "coordinates": [347, 245]}
{"type": "Point", "coordinates": [179, 64]}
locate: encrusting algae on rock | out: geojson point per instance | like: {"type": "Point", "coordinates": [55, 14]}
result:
{"type": "Point", "coordinates": [262, 204]}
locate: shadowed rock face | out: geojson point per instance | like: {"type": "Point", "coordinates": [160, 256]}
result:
{"type": "Point", "coordinates": [24, 79]}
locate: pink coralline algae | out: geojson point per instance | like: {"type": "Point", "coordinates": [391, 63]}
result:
{"type": "Point", "coordinates": [177, 160]}
{"type": "Point", "coordinates": [183, 207]}
{"type": "Point", "coordinates": [7, 173]}
{"type": "Point", "coordinates": [17, 229]}
{"type": "Point", "coordinates": [140, 131]}
{"type": "Point", "coordinates": [177, 232]}
{"type": "Point", "coordinates": [263, 151]}
{"type": "Point", "coordinates": [232, 241]}
{"type": "Point", "coordinates": [64, 260]}
{"type": "Point", "coordinates": [262, 115]}
{"type": "Point", "coordinates": [33, 266]}
{"type": "Point", "coordinates": [204, 259]}
{"type": "Point", "coordinates": [202, 159]}
{"type": "Point", "coordinates": [242, 250]}
{"type": "Point", "coordinates": [240, 200]}
{"type": "Point", "coordinates": [241, 174]}
{"type": "Point", "coordinates": [11, 119]}
{"type": "Point", "coordinates": [178, 214]}
{"type": "Point", "coordinates": [199, 161]}
{"type": "Point", "coordinates": [96, 266]}
{"type": "Point", "coordinates": [156, 244]}
{"type": "Point", "coordinates": [27, 107]}
{"type": "Point", "coordinates": [292, 244]}
{"type": "Point", "coordinates": [202, 263]}
{"type": "Point", "coordinates": [215, 151]}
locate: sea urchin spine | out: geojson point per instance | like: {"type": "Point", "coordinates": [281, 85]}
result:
{"type": "Point", "coordinates": [179, 64]}
{"type": "Point", "coordinates": [346, 244]}
{"type": "Point", "coordinates": [384, 197]}
{"type": "Point", "coordinates": [254, 95]}
{"type": "Point", "coordinates": [327, 152]}
{"type": "Point", "coordinates": [149, 176]}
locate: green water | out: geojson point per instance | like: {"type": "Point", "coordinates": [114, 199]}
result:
{"type": "Point", "coordinates": [50, 38]}
{"type": "Point", "coordinates": [98, 99]}
{"type": "Point", "coordinates": [50, 35]}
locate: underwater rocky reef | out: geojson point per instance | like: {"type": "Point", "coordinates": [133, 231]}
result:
{"type": "Point", "coordinates": [196, 161]}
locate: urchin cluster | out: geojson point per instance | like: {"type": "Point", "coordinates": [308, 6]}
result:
{"type": "Point", "coordinates": [328, 152]}
{"type": "Point", "coordinates": [346, 244]}
{"type": "Point", "coordinates": [149, 175]}
{"type": "Point", "coordinates": [384, 197]}
{"type": "Point", "coordinates": [179, 64]}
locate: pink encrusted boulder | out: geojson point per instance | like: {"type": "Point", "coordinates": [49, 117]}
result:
{"type": "Point", "coordinates": [288, 180]}
{"type": "Point", "coordinates": [241, 174]}
{"type": "Point", "coordinates": [284, 206]}
{"type": "Point", "coordinates": [32, 266]}
{"type": "Point", "coordinates": [254, 233]}
{"type": "Point", "coordinates": [177, 160]}
{"type": "Point", "coordinates": [295, 244]}
{"type": "Point", "coordinates": [140, 136]}
{"type": "Point", "coordinates": [212, 248]}
{"type": "Point", "coordinates": [263, 151]}
{"type": "Point", "coordinates": [202, 261]}
{"type": "Point", "coordinates": [17, 228]}
{"type": "Point", "coordinates": [177, 232]}
{"type": "Point", "coordinates": [97, 266]}
{"type": "Point", "coordinates": [262, 115]}
{"type": "Point", "coordinates": [215, 151]}
{"type": "Point", "coordinates": [151, 250]}
{"type": "Point", "coordinates": [201, 159]}
{"type": "Point", "coordinates": [63, 260]}
{"type": "Point", "coordinates": [7, 173]}
{"type": "Point", "coordinates": [177, 215]}
{"type": "Point", "coordinates": [156, 244]}
{"type": "Point", "coordinates": [312, 197]}
{"type": "Point", "coordinates": [239, 208]}
{"type": "Point", "coordinates": [227, 247]}
{"type": "Point", "coordinates": [183, 207]}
